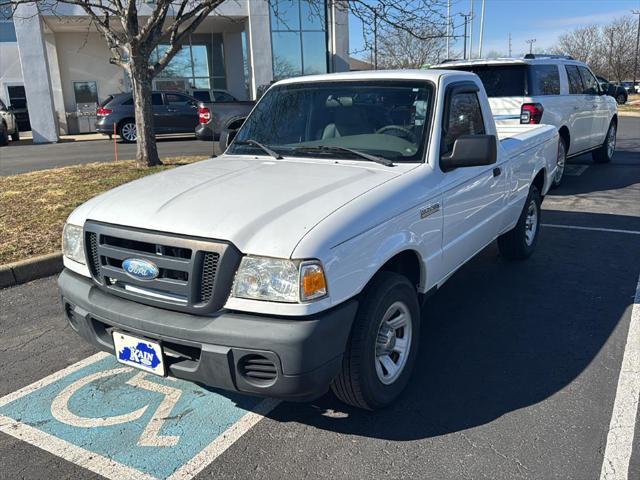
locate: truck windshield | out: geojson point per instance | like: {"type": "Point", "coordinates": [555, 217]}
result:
{"type": "Point", "coordinates": [387, 119]}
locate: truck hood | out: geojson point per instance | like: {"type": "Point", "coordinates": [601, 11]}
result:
{"type": "Point", "coordinates": [264, 207]}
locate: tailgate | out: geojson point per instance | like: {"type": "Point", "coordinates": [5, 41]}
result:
{"type": "Point", "coordinates": [506, 109]}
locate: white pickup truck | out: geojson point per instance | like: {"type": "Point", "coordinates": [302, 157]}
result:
{"type": "Point", "coordinates": [298, 259]}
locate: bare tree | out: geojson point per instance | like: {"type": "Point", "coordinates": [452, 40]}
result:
{"type": "Point", "coordinates": [608, 50]}
{"type": "Point", "coordinates": [400, 49]}
{"type": "Point", "coordinates": [132, 39]}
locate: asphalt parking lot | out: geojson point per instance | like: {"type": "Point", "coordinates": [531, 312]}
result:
{"type": "Point", "coordinates": [519, 375]}
{"type": "Point", "coordinates": [16, 159]}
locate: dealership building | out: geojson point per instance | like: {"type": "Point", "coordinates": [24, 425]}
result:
{"type": "Point", "coordinates": [54, 67]}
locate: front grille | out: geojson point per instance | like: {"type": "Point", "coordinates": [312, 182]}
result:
{"type": "Point", "coordinates": [257, 369]}
{"type": "Point", "coordinates": [194, 275]}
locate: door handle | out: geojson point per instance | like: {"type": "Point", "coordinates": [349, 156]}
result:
{"type": "Point", "coordinates": [497, 171]}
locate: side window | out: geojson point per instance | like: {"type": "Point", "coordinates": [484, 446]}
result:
{"type": "Point", "coordinates": [464, 118]}
{"type": "Point", "coordinates": [589, 81]}
{"type": "Point", "coordinates": [156, 99]}
{"type": "Point", "coordinates": [544, 80]}
{"type": "Point", "coordinates": [575, 81]}
{"type": "Point", "coordinates": [177, 99]}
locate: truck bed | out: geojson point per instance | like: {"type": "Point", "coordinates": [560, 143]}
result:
{"type": "Point", "coordinates": [516, 139]}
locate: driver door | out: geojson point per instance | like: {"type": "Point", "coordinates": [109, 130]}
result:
{"type": "Point", "coordinates": [473, 197]}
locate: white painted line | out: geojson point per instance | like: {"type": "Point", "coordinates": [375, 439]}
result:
{"type": "Point", "coordinates": [52, 378]}
{"type": "Point", "coordinates": [90, 460]}
{"type": "Point", "coordinates": [224, 441]}
{"type": "Point", "coordinates": [592, 229]}
{"type": "Point", "coordinates": [617, 453]}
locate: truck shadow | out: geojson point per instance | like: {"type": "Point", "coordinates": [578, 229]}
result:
{"type": "Point", "coordinates": [501, 336]}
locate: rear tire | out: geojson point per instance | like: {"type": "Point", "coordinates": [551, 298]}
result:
{"type": "Point", "coordinates": [15, 136]}
{"type": "Point", "coordinates": [383, 344]}
{"type": "Point", "coordinates": [127, 131]}
{"type": "Point", "coordinates": [604, 153]}
{"type": "Point", "coordinates": [621, 99]}
{"type": "Point", "coordinates": [561, 163]}
{"type": "Point", "coordinates": [520, 242]}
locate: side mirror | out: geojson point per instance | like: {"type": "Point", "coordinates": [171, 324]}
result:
{"type": "Point", "coordinates": [226, 137]}
{"type": "Point", "coordinates": [471, 151]}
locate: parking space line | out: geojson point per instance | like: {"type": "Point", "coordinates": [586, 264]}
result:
{"type": "Point", "coordinates": [593, 229]}
{"type": "Point", "coordinates": [61, 448]}
{"type": "Point", "coordinates": [224, 441]}
{"type": "Point", "coordinates": [617, 453]}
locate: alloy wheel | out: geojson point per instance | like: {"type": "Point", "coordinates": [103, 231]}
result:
{"type": "Point", "coordinates": [393, 342]}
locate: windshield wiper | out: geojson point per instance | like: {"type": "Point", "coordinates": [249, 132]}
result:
{"type": "Point", "coordinates": [262, 147]}
{"type": "Point", "coordinates": [328, 148]}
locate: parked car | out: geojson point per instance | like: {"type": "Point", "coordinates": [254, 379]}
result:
{"type": "Point", "coordinates": [218, 116]}
{"type": "Point", "coordinates": [173, 112]}
{"type": "Point", "coordinates": [297, 260]}
{"type": "Point", "coordinates": [630, 88]}
{"type": "Point", "coordinates": [555, 90]}
{"type": "Point", "coordinates": [8, 125]}
{"type": "Point", "coordinates": [613, 90]}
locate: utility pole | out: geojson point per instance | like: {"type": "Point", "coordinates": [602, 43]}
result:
{"type": "Point", "coordinates": [471, 32]}
{"type": "Point", "coordinates": [531, 42]}
{"type": "Point", "coordinates": [448, 26]}
{"type": "Point", "coordinates": [635, 63]}
{"type": "Point", "coordinates": [481, 30]}
{"type": "Point", "coordinates": [509, 44]}
{"type": "Point", "coordinates": [466, 20]}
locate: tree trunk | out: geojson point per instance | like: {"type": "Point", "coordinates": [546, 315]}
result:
{"type": "Point", "coordinates": [147, 151]}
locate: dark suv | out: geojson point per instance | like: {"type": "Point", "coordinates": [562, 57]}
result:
{"type": "Point", "coordinates": [173, 112]}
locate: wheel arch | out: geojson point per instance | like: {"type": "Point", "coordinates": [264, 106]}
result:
{"type": "Point", "coordinates": [407, 263]}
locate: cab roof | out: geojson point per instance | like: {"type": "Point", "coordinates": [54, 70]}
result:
{"type": "Point", "coordinates": [433, 75]}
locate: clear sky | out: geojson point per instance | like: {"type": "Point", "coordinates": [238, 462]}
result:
{"type": "Point", "coordinates": [544, 20]}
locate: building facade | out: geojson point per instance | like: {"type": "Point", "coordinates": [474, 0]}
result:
{"type": "Point", "coordinates": [54, 68]}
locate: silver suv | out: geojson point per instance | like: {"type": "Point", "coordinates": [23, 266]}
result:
{"type": "Point", "coordinates": [8, 125]}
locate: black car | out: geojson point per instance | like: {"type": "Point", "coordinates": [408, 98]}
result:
{"type": "Point", "coordinates": [173, 112]}
{"type": "Point", "coordinates": [613, 90]}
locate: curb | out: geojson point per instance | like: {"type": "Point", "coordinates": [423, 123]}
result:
{"type": "Point", "coordinates": [25, 271]}
{"type": "Point", "coordinates": [629, 114]}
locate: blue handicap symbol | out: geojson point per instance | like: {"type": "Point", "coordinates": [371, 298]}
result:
{"type": "Point", "coordinates": [152, 424]}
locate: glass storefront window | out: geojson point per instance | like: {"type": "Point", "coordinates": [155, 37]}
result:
{"type": "Point", "coordinates": [298, 38]}
{"type": "Point", "coordinates": [199, 64]}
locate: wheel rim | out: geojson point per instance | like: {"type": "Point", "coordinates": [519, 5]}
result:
{"type": "Point", "coordinates": [562, 159]}
{"type": "Point", "coordinates": [531, 223]}
{"type": "Point", "coordinates": [129, 132]}
{"type": "Point", "coordinates": [611, 141]}
{"type": "Point", "coordinates": [393, 342]}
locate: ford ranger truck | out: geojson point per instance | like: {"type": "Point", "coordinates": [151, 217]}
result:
{"type": "Point", "coordinates": [296, 261]}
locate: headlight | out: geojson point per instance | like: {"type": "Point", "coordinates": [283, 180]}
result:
{"type": "Point", "coordinates": [279, 280]}
{"type": "Point", "coordinates": [72, 243]}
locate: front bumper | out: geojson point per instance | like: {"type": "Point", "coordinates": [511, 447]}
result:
{"type": "Point", "coordinates": [218, 350]}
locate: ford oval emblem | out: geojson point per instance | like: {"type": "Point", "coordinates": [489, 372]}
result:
{"type": "Point", "coordinates": [140, 269]}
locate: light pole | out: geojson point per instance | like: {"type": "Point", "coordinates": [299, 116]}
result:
{"type": "Point", "coordinates": [448, 26]}
{"type": "Point", "coordinates": [531, 42]}
{"type": "Point", "coordinates": [481, 31]}
{"type": "Point", "coordinates": [635, 63]}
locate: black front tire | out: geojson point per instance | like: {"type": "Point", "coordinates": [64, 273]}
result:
{"type": "Point", "coordinates": [604, 154]}
{"type": "Point", "coordinates": [621, 99]}
{"type": "Point", "coordinates": [15, 136]}
{"type": "Point", "coordinates": [358, 382]}
{"type": "Point", "coordinates": [516, 243]}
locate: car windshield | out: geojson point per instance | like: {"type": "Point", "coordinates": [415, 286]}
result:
{"type": "Point", "coordinates": [385, 119]}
